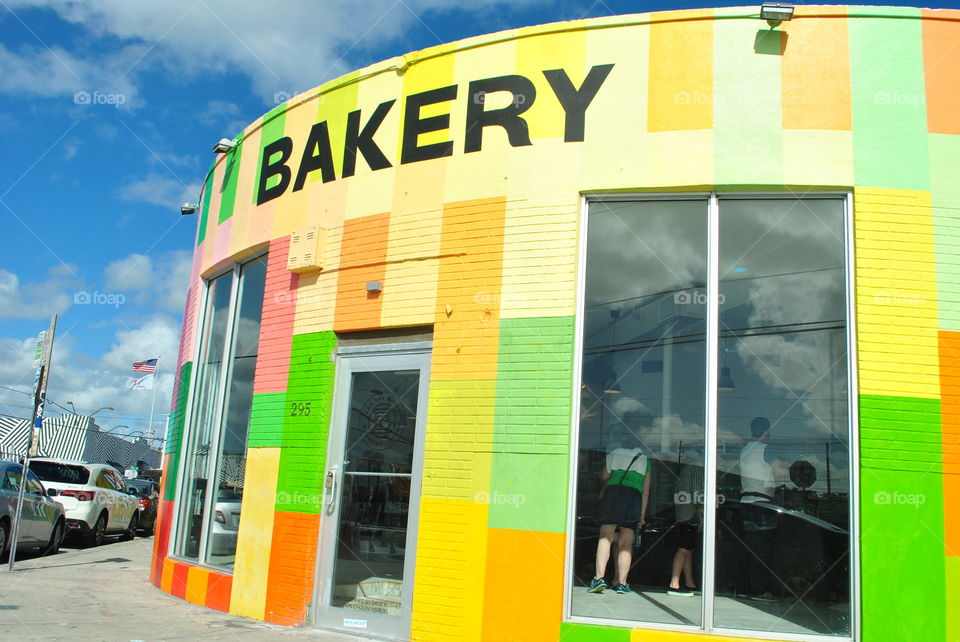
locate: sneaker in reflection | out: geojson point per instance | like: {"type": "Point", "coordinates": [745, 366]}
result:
{"type": "Point", "coordinates": [680, 592]}
{"type": "Point", "coordinates": [622, 588]}
{"type": "Point", "coordinates": [597, 585]}
{"type": "Point", "coordinates": [765, 597]}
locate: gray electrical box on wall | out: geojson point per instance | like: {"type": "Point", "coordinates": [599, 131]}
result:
{"type": "Point", "coordinates": [306, 249]}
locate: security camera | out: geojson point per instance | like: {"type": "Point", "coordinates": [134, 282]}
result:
{"type": "Point", "coordinates": [223, 146]}
{"type": "Point", "coordinates": [188, 208]}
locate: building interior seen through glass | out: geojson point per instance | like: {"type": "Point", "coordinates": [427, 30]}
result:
{"type": "Point", "coordinates": [217, 431]}
{"type": "Point", "coordinates": [375, 498]}
{"type": "Point", "coordinates": [780, 551]}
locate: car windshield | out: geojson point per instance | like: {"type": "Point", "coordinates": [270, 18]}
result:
{"type": "Point", "coordinates": [50, 471]}
{"type": "Point", "coordinates": [228, 495]}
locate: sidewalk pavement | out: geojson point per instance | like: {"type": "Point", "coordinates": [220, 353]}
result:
{"type": "Point", "coordinates": [103, 593]}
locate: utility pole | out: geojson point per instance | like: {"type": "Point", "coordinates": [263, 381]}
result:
{"type": "Point", "coordinates": [42, 363]}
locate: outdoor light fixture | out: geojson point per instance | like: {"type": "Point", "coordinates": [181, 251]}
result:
{"type": "Point", "coordinates": [188, 208]}
{"type": "Point", "coordinates": [224, 145]}
{"type": "Point", "coordinates": [775, 13]}
{"type": "Point", "coordinates": [374, 286]}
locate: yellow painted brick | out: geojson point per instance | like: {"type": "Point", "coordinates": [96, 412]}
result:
{"type": "Point", "coordinates": [451, 551]}
{"type": "Point", "coordinates": [896, 293]}
{"type": "Point", "coordinates": [249, 594]}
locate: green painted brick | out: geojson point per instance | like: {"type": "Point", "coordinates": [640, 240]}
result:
{"type": "Point", "coordinates": [228, 186]}
{"type": "Point", "coordinates": [889, 111]}
{"type": "Point", "coordinates": [945, 195]}
{"type": "Point", "coordinates": [902, 546]}
{"type": "Point", "coordinates": [570, 632]}
{"type": "Point", "coordinates": [531, 443]}
{"type": "Point", "coordinates": [900, 433]}
{"type": "Point", "coordinates": [303, 444]}
{"type": "Point", "coordinates": [175, 426]}
{"type": "Point", "coordinates": [748, 124]}
{"type": "Point", "coordinates": [527, 492]}
{"type": "Point", "coordinates": [274, 122]}
{"type": "Point", "coordinates": [205, 208]}
{"type": "Point", "coordinates": [266, 420]}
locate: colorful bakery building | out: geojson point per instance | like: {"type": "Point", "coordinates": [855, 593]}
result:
{"type": "Point", "coordinates": [434, 301]}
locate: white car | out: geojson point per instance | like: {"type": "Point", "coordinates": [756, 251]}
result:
{"type": "Point", "coordinates": [95, 498]}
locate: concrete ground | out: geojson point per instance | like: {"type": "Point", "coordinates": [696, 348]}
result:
{"type": "Point", "coordinates": [103, 593]}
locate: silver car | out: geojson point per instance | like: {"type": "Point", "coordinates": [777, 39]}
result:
{"type": "Point", "coordinates": [42, 522]}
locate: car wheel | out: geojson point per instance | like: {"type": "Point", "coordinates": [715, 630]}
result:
{"type": "Point", "coordinates": [4, 539]}
{"type": "Point", "coordinates": [131, 531]}
{"type": "Point", "coordinates": [95, 538]}
{"type": "Point", "coordinates": [56, 537]}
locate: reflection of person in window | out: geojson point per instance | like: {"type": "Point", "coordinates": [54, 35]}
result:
{"type": "Point", "coordinates": [688, 507]}
{"type": "Point", "coordinates": [624, 501]}
{"type": "Point", "coordinates": [756, 464]}
{"type": "Point", "coordinates": [758, 526]}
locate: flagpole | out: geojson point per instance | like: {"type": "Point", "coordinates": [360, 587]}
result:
{"type": "Point", "coordinates": [153, 404]}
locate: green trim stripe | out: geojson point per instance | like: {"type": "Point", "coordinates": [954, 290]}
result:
{"type": "Point", "coordinates": [175, 427]}
{"type": "Point", "coordinates": [588, 633]}
{"type": "Point", "coordinates": [228, 186]}
{"type": "Point", "coordinates": [205, 208]}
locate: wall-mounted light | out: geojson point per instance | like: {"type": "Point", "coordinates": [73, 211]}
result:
{"type": "Point", "coordinates": [775, 13]}
{"type": "Point", "coordinates": [374, 286]}
{"type": "Point", "coordinates": [224, 145]}
{"type": "Point", "coordinates": [188, 208]}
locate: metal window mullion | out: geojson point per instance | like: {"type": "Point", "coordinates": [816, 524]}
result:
{"type": "Point", "coordinates": [853, 422]}
{"type": "Point", "coordinates": [710, 449]}
{"type": "Point", "coordinates": [199, 352]}
{"type": "Point", "coordinates": [216, 433]}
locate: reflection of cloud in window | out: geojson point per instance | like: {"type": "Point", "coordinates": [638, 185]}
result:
{"type": "Point", "coordinates": [810, 362]}
{"type": "Point", "coordinates": [637, 249]}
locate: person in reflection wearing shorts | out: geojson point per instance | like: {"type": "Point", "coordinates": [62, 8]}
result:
{"type": "Point", "coordinates": [686, 532]}
{"type": "Point", "coordinates": [623, 507]}
{"type": "Point", "coordinates": [758, 523]}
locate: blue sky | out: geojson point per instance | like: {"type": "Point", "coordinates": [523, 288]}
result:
{"type": "Point", "coordinates": [89, 191]}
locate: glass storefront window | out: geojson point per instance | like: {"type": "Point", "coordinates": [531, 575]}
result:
{"type": "Point", "coordinates": [642, 395]}
{"type": "Point", "coordinates": [216, 443]}
{"type": "Point", "coordinates": [782, 541]}
{"type": "Point", "coordinates": [777, 541]}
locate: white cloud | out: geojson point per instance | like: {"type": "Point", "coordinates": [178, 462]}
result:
{"type": "Point", "coordinates": [134, 272]}
{"type": "Point", "coordinates": [157, 282]}
{"type": "Point", "coordinates": [91, 381]}
{"type": "Point", "coordinates": [290, 48]}
{"type": "Point", "coordinates": [38, 299]}
{"type": "Point", "coordinates": [156, 189]}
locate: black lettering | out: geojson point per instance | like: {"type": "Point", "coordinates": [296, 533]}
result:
{"type": "Point", "coordinates": [319, 140]}
{"type": "Point", "coordinates": [413, 126]}
{"type": "Point", "coordinates": [268, 169]}
{"type": "Point", "coordinates": [524, 93]}
{"type": "Point", "coordinates": [575, 101]}
{"type": "Point", "coordinates": [356, 140]}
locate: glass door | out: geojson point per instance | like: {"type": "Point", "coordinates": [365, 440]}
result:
{"type": "Point", "coordinates": [372, 490]}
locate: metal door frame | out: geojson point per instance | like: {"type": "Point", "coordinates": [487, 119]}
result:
{"type": "Point", "coordinates": [350, 360]}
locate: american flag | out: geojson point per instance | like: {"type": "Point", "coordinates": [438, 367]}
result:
{"type": "Point", "coordinates": [150, 365]}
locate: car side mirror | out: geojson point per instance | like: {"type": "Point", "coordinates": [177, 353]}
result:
{"type": "Point", "coordinates": [52, 492]}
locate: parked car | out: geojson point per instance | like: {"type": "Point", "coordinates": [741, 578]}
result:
{"type": "Point", "coordinates": [226, 522]}
{"type": "Point", "coordinates": [42, 520]}
{"type": "Point", "coordinates": [94, 498]}
{"type": "Point", "coordinates": [147, 493]}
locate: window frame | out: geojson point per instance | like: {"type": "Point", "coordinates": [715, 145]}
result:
{"type": "Point", "coordinates": [180, 522]}
{"type": "Point", "coordinates": [712, 200]}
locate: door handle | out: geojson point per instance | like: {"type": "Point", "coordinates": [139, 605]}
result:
{"type": "Point", "coordinates": [330, 485]}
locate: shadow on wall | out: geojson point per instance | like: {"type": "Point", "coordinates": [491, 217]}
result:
{"type": "Point", "coordinates": [770, 42]}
